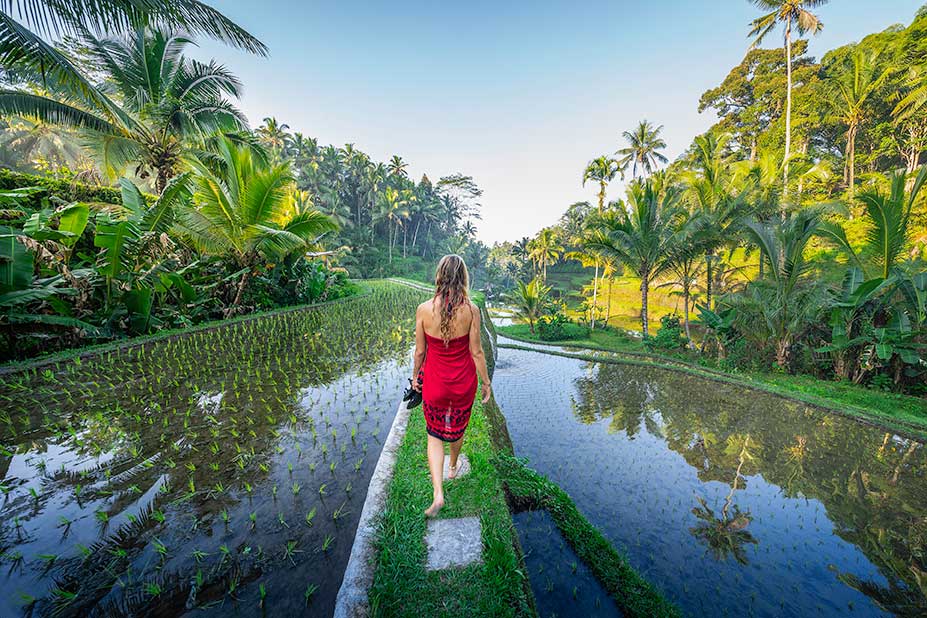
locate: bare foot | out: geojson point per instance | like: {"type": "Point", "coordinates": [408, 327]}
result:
{"type": "Point", "coordinates": [434, 509]}
{"type": "Point", "coordinates": [453, 470]}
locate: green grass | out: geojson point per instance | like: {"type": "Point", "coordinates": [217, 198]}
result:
{"type": "Point", "coordinates": [632, 593]}
{"type": "Point", "coordinates": [401, 586]}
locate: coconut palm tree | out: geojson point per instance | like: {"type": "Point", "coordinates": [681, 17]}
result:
{"type": "Point", "coordinates": [544, 249]}
{"type": "Point", "coordinates": [274, 136]}
{"type": "Point", "coordinates": [529, 300]}
{"type": "Point", "coordinates": [644, 146]}
{"type": "Point", "coordinates": [791, 14]}
{"type": "Point", "coordinates": [640, 234]}
{"type": "Point", "coordinates": [601, 170]}
{"type": "Point", "coordinates": [849, 89]}
{"type": "Point", "coordinates": [397, 167]}
{"type": "Point", "coordinates": [24, 52]}
{"type": "Point", "coordinates": [159, 109]}
{"type": "Point", "coordinates": [242, 208]}
{"type": "Point", "coordinates": [393, 209]}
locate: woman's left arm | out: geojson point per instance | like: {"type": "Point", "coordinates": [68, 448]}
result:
{"type": "Point", "coordinates": [476, 351]}
{"type": "Point", "coordinates": [420, 344]}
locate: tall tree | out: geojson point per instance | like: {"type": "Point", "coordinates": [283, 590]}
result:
{"type": "Point", "coordinates": [601, 170]}
{"type": "Point", "coordinates": [544, 249]}
{"type": "Point", "coordinates": [643, 149]}
{"type": "Point", "coordinates": [850, 86]}
{"type": "Point", "coordinates": [640, 234]}
{"type": "Point", "coordinates": [791, 14]}
{"type": "Point", "coordinates": [165, 98]}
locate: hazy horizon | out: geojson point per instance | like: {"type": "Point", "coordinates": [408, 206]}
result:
{"type": "Point", "coordinates": [519, 99]}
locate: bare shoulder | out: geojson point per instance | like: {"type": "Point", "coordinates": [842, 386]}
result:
{"type": "Point", "coordinates": [475, 310]}
{"type": "Point", "coordinates": [424, 307]}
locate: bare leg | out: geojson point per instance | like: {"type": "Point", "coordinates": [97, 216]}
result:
{"type": "Point", "coordinates": [455, 454]}
{"type": "Point", "coordinates": [436, 468]}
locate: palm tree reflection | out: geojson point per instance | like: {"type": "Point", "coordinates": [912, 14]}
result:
{"type": "Point", "coordinates": [725, 534]}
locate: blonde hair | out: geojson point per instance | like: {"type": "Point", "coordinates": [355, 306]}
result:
{"type": "Point", "coordinates": [452, 284]}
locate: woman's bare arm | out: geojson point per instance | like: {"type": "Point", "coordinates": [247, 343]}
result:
{"type": "Point", "coordinates": [420, 344]}
{"type": "Point", "coordinates": [476, 351]}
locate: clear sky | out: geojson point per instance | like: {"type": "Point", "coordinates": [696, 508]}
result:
{"type": "Point", "coordinates": [520, 95]}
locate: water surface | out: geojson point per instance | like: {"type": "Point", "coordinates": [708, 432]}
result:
{"type": "Point", "coordinates": [732, 502]}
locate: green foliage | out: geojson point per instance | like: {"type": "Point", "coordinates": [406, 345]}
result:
{"type": "Point", "coordinates": [558, 327]}
{"type": "Point", "coordinates": [670, 336]}
{"type": "Point", "coordinates": [64, 190]}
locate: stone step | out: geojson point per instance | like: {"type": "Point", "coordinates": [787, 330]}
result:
{"type": "Point", "coordinates": [463, 466]}
{"type": "Point", "coordinates": [453, 543]}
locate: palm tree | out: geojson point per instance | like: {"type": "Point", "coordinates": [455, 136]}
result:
{"type": "Point", "coordinates": [183, 99]}
{"type": "Point", "coordinates": [601, 170]}
{"type": "Point", "coordinates": [393, 209]}
{"type": "Point", "coordinates": [274, 136]}
{"type": "Point", "coordinates": [849, 89]}
{"type": "Point", "coordinates": [242, 208]}
{"type": "Point", "coordinates": [644, 146]}
{"type": "Point", "coordinates": [640, 235]}
{"type": "Point", "coordinates": [792, 14]}
{"type": "Point", "coordinates": [544, 249]}
{"type": "Point", "coordinates": [890, 231]}
{"type": "Point", "coordinates": [716, 207]}
{"type": "Point", "coordinates": [529, 300]}
{"type": "Point", "coordinates": [397, 167]}
{"type": "Point", "coordinates": [783, 302]}
{"type": "Point", "coordinates": [24, 52]}
{"type": "Point", "coordinates": [685, 266]}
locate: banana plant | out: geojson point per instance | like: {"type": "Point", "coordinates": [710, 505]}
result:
{"type": "Point", "coordinates": [136, 249]}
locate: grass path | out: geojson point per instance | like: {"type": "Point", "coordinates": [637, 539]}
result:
{"type": "Point", "coordinates": [402, 586]}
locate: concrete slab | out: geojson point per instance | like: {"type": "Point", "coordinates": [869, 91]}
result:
{"type": "Point", "coordinates": [453, 543]}
{"type": "Point", "coordinates": [463, 466]}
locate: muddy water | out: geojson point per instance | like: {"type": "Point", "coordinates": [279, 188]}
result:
{"type": "Point", "coordinates": [732, 502]}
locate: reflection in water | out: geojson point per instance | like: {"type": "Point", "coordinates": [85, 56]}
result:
{"type": "Point", "coordinates": [725, 535]}
{"type": "Point", "coordinates": [195, 473]}
{"type": "Point", "coordinates": [801, 512]}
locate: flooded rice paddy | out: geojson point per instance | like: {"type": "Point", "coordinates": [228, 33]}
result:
{"type": "Point", "coordinates": [220, 472]}
{"type": "Point", "coordinates": [732, 502]}
{"type": "Point", "coordinates": [563, 585]}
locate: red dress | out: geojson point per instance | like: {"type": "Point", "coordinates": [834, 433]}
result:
{"type": "Point", "coordinates": [448, 386]}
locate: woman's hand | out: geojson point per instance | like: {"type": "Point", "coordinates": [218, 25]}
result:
{"type": "Point", "coordinates": [417, 384]}
{"type": "Point", "coordinates": [486, 390]}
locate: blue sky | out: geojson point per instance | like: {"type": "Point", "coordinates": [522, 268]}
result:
{"type": "Point", "coordinates": [520, 95]}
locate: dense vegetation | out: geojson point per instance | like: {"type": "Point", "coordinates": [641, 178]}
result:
{"type": "Point", "coordinates": [795, 228]}
{"type": "Point", "coordinates": [138, 199]}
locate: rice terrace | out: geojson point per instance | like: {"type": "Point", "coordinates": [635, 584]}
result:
{"type": "Point", "coordinates": [639, 328]}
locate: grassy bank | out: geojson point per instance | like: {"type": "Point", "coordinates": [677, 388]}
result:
{"type": "Point", "coordinates": [892, 410]}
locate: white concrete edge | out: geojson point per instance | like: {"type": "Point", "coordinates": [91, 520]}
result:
{"type": "Point", "coordinates": [352, 600]}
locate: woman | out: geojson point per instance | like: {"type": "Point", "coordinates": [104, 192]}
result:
{"type": "Point", "coordinates": [448, 357]}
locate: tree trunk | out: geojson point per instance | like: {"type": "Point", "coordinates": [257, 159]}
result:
{"type": "Point", "coordinates": [784, 354]}
{"type": "Point", "coordinates": [753, 149]}
{"type": "Point", "coordinates": [645, 285]}
{"type": "Point", "coordinates": [415, 233]}
{"type": "Point", "coordinates": [405, 237]}
{"type": "Point", "coordinates": [608, 303]}
{"type": "Point", "coordinates": [685, 305]}
{"type": "Point", "coordinates": [389, 240]}
{"type": "Point", "coordinates": [238, 294]}
{"type": "Point", "coordinates": [851, 159]}
{"type": "Point", "coordinates": [788, 109]}
{"type": "Point", "coordinates": [708, 257]}
{"type": "Point", "coordinates": [595, 292]}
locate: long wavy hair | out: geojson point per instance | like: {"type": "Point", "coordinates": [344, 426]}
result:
{"type": "Point", "coordinates": [452, 285]}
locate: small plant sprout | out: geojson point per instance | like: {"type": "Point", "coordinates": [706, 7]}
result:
{"type": "Point", "coordinates": [339, 512]}
{"type": "Point", "coordinates": [253, 518]}
{"type": "Point", "coordinates": [296, 488]}
{"type": "Point", "coordinates": [327, 542]}
{"type": "Point", "coordinates": [263, 592]}
{"type": "Point", "coordinates": [311, 515]}
{"type": "Point", "coordinates": [310, 590]}
{"type": "Point", "coordinates": [282, 520]}
{"type": "Point", "coordinates": [322, 491]}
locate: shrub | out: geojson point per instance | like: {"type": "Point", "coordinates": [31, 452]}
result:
{"type": "Point", "coordinates": [558, 327]}
{"type": "Point", "coordinates": [670, 335]}
{"type": "Point", "coordinates": [66, 190]}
